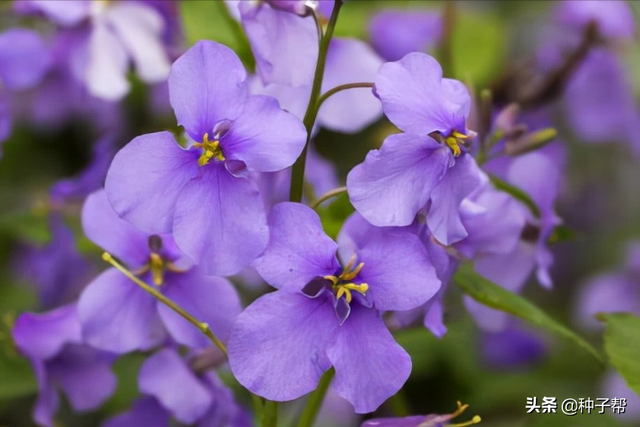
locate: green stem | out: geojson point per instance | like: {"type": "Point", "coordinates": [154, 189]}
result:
{"type": "Point", "coordinates": [446, 49]}
{"type": "Point", "coordinates": [340, 88]}
{"type": "Point", "coordinates": [270, 414]}
{"type": "Point", "coordinates": [326, 196]}
{"type": "Point", "coordinates": [204, 327]}
{"type": "Point", "coordinates": [297, 173]}
{"type": "Point", "coordinates": [312, 407]}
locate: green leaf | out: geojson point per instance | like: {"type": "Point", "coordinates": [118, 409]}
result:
{"type": "Point", "coordinates": [334, 215]}
{"type": "Point", "coordinates": [622, 345]}
{"type": "Point", "coordinates": [562, 233]}
{"type": "Point", "coordinates": [492, 295]}
{"type": "Point", "coordinates": [16, 376]}
{"type": "Point", "coordinates": [32, 227]}
{"type": "Point", "coordinates": [516, 193]}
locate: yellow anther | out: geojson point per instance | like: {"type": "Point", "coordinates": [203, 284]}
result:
{"type": "Point", "coordinates": [157, 269]}
{"type": "Point", "coordinates": [459, 135]}
{"type": "Point", "coordinates": [333, 279]}
{"type": "Point", "coordinates": [350, 275]}
{"type": "Point", "coordinates": [211, 149]}
{"type": "Point", "coordinates": [452, 143]}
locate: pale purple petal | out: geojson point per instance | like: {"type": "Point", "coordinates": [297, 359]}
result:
{"type": "Point", "coordinates": [220, 221]}
{"type": "Point", "coordinates": [113, 234]}
{"type": "Point", "coordinates": [614, 17]}
{"type": "Point", "coordinates": [610, 292]}
{"type": "Point", "coordinates": [509, 270]}
{"type": "Point", "coordinates": [350, 61]}
{"type": "Point", "coordinates": [277, 346]}
{"type": "Point", "coordinates": [211, 300]}
{"type": "Point", "coordinates": [411, 421]}
{"type": "Point", "coordinates": [370, 366]}
{"type": "Point", "coordinates": [117, 315]}
{"type": "Point", "coordinates": [24, 58]}
{"type": "Point", "coordinates": [264, 137]}
{"type": "Point", "coordinates": [512, 348]}
{"type": "Point", "coordinates": [139, 28]}
{"type": "Point", "coordinates": [293, 6]}
{"type": "Point", "coordinates": [386, 253]}
{"type": "Point", "coordinates": [146, 412]}
{"type": "Point", "coordinates": [395, 33]}
{"type": "Point", "coordinates": [106, 71]}
{"type": "Point", "coordinates": [434, 317]}
{"type": "Point", "coordinates": [487, 318]}
{"type": "Point", "coordinates": [396, 181]}
{"type": "Point", "coordinates": [415, 99]}
{"type": "Point", "coordinates": [206, 86]}
{"type": "Point", "coordinates": [285, 45]}
{"type": "Point", "coordinates": [167, 377]}
{"type": "Point", "coordinates": [47, 402]}
{"type": "Point", "coordinates": [85, 375]}
{"type": "Point", "coordinates": [298, 249]}
{"type": "Point", "coordinates": [42, 336]}
{"type": "Point", "coordinates": [443, 218]}
{"type": "Point", "coordinates": [62, 12]}
{"type": "Point", "coordinates": [145, 180]}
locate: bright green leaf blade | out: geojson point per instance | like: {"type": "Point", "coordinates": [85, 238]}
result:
{"type": "Point", "coordinates": [622, 345]}
{"type": "Point", "coordinates": [492, 295]}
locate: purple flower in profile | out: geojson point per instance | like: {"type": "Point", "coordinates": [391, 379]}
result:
{"type": "Point", "coordinates": [422, 420]}
{"type": "Point", "coordinates": [326, 315]}
{"type": "Point", "coordinates": [203, 193]}
{"type": "Point", "coordinates": [396, 33]}
{"type": "Point", "coordinates": [173, 389]}
{"type": "Point", "coordinates": [423, 168]}
{"type": "Point", "coordinates": [117, 315]}
{"type": "Point", "coordinates": [52, 341]}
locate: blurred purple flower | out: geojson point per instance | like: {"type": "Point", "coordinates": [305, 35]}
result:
{"type": "Point", "coordinates": [613, 17]}
{"type": "Point", "coordinates": [52, 342]}
{"type": "Point", "coordinates": [206, 189]}
{"type": "Point", "coordinates": [324, 315]}
{"type": "Point", "coordinates": [117, 315]}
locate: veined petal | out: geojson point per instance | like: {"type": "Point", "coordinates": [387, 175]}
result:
{"type": "Point", "coordinates": [265, 137]}
{"type": "Point", "coordinates": [139, 28]}
{"type": "Point", "coordinates": [298, 249]}
{"type": "Point", "coordinates": [396, 181]}
{"type": "Point", "coordinates": [370, 365]}
{"type": "Point", "coordinates": [146, 178]}
{"type": "Point", "coordinates": [167, 377]}
{"type": "Point", "coordinates": [220, 221]}
{"type": "Point", "coordinates": [113, 234]}
{"type": "Point", "coordinates": [415, 99]}
{"type": "Point", "coordinates": [211, 300]}
{"type": "Point", "coordinates": [280, 337]}
{"type": "Point", "coordinates": [207, 85]}
{"type": "Point", "coordinates": [460, 180]}
{"type": "Point", "coordinates": [117, 315]}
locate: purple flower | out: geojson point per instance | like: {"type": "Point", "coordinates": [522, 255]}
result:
{"type": "Point", "coordinates": [24, 59]}
{"type": "Point", "coordinates": [120, 32]}
{"type": "Point", "coordinates": [422, 420]}
{"type": "Point", "coordinates": [326, 315]}
{"type": "Point", "coordinates": [425, 167]}
{"type": "Point", "coordinates": [613, 17]}
{"type": "Point", "coordinates": [119, 316]}
{"type": "Point", "coordinates": [395, 33]}
{"type": "Point", "coordinates": [52, 342]}
{"type": "Point", "coordinates": [512, 348]}
{"type": "Point", "coordinates": [203, 193]}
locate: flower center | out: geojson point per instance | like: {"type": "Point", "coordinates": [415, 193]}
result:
{"type": "Point", "coordinates": [454, 140]}
{"type": "Point", "coordinates": [342, 285]}
{"type": "Point", "coordinates": [157, 264]}
{"type": "Point", "coordinates": [210, 150]}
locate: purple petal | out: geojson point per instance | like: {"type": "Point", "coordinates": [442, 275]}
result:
{"type": "Point", "coordinates": [206, 85]}
{"type": "Point", "coordinates": [508, 270]}
{"type": "Point", "coordinates": [512, 348]}
{"type": "Point", "coordinates": [280, 337]}
{"type": "Point", "coordinates": [395, 182]}
{"type": "Point", "coordinates": [115, 235]}
{"type": "Point", "coordinates": [145, 180]}
{"type": "Point", "coordinates": [395, 33]}
{"type": "Point", "coordinates": [211, 300]}
{"type": "Point", "coordinates": [370, 365]}
{"type": "Point", "coordinates": [412, 421]}
{"type": "Point", "coordinates": [106, 70]}
{"type": "Point", "coordinates": [63, 12]}
{"type": "Point", "coordinates": [298, 250]}
{"type": "Point", "coordinates": [298, 7]}
{"type": "Point", "coordinates": [614, 17]}
{"type": "Point", "coordinates": [606, 293]}
{"type": "Point", "coordinates": [119, 316]}
{"type": "Point", "coordinates": [220, 221]}
{"type": "Point", "coordinates": [47, 402]}
{"type": "Point", "coordinates": [434, 316]}
{"type": "Point", "coordinates": [85, 375]}
{"type": "Point", "coordinates": [42, 336]}
{"type": "Point", "coordinates": [139, 28]}
{"type": "Point", "coordinates": [285, 45]}
{"type": "Point", "coordinates": [350, 61]}
{"type": "Point", "coordinates": [415, 99]}
{"type": "Point", "coordinates": [443, 218]}
{"type": "Point", "coordinates": [264, 137]}
{"type": "Point", "coordinates": [146, 412]}
{"type": "Point", "coordinates": [24, 58]}
{"type": "Point", "coordinates": [167, 377]}
{"type": "Point", "coordinates": [397, 267]}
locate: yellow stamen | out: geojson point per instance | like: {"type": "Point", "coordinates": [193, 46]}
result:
{"type": "Point", "coordinates": [452, 143]}
{"type": "Point", "coordinates": [350, 275]}
{"type": "Point", "coordinates": [334, 279]}
{"type": "Point", "coordinates": [157, 269]}
{"type": "Point", "coordinates": [461, 408]}
{"type": "Point", "coordinates": [211, 149]}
